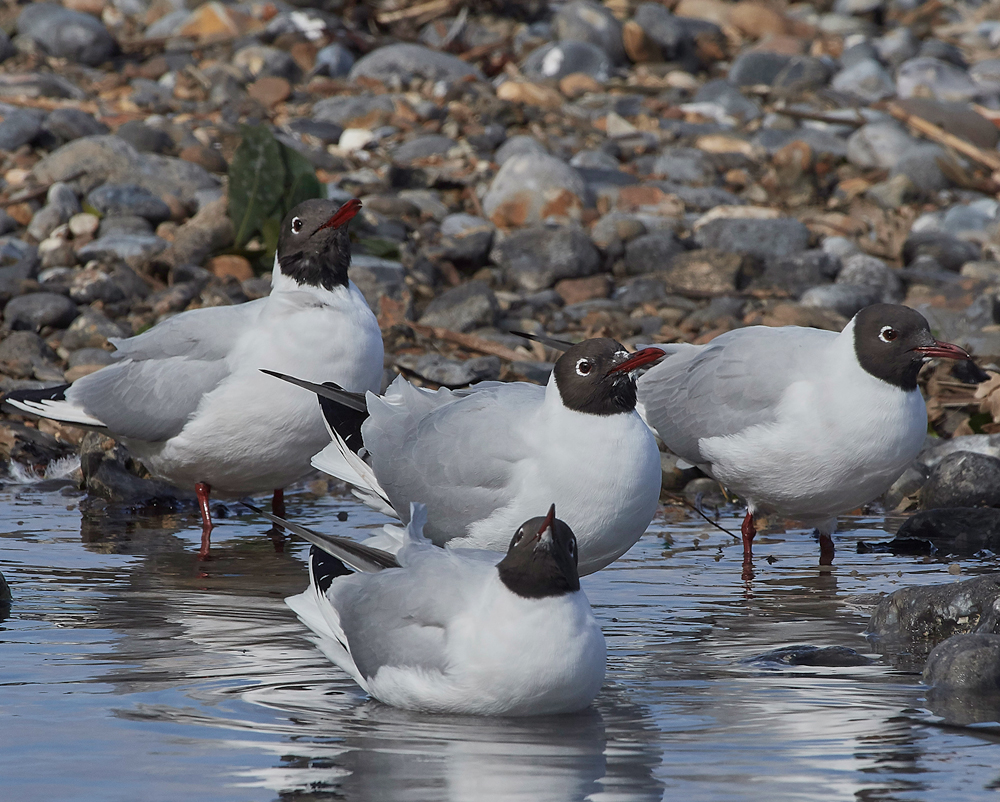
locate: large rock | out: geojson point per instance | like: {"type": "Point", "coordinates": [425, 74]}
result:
{"type": "Point", "coordinates": [966, 663]}
{"type": "Point", "coordinates": [108, 159]}
{"type": "Point", "coordinates": [536, 258]}
{"type": "Point", "coordinates": [68, 34]}
{"type": "Point", "coordinates": [531, 187]}
{"type": "Point", "coordinates": [922, 617]}
{"type": "Point", "coordinates": [963, 479]}
{"type": "Point", "coordinates": [762, 238]}
{"type": "Point", "coordinates": [404, 62]}
{"type": "Point", "coordinates": [959, 531]}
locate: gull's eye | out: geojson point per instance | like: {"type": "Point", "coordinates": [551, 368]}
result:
{"type": "Point", "coordinates": [296, 225]}
{"type": "Point", "coordinates": [888, 334]}
{"type": "Point", "coordinates": [584, 367]}
{"type": "Point", "coordinates": [518, 535]}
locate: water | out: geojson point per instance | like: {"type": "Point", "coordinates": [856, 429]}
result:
{"type": "Point", "coordinates": [129, 671]}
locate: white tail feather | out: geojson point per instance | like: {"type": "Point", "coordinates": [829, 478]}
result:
{"type": "Point", "coordinates": [339, 461]}
{"type": "Point", "coordinates": [57, 410]}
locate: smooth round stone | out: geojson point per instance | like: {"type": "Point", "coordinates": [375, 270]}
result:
{"type": "Point", "coordinates": [920, 165]}
{"type": "Point", "coordinates": [355, 139]}
{"type": "Point", "coordinates": [588, 21]}
{"type": "Point", "coordinates": [145, 138]}
{"type": "Point", "coordinates": [516, 146]}
{"type": "Point", "coordinates": [68, 124]}
{"type": "Point", "coordinates": [522, 188]}
{"type": "Point", "coordinates": [127, 224]}
{"type": "Point", "coordinates": [423, 147]}
{"type": "Point", "coordinates": [114, 199]}
{"type": "Point", "coordinates": [39, 309]}
{"type": "Point", "coordinates": [559, 59]}
{"type": "Point", "coordinates": [126, 247]}
{"type": "Point", "coordinates": [403, 62]}
{"type": "Point", "coordinates": [18, 127]}
{"type": "Point", "coordinates": [963, 479]}
{"type": "Point", "coordinates": [67, 34]}
{"type": "Point", "coordinates": [867, 80]}
{"type": "Point", "coordinates": [923, 76]}
{"type": "Point", "coordinates": [334, 60]}
{"type": "Point", "coordinates": [732, 102]}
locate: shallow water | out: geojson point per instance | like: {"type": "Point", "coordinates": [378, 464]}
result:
{"type": "Point", "coordinates": [129, 671]}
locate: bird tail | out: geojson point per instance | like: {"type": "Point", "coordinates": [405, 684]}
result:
{"type": "Point", "coordinates": [343, 411]}
{"type": "Point", "coordinates": [314, 609]}
{"type": "Point", "coordinates": [50, 402]}
{"type": "Point", "coordinates": [338, 460]}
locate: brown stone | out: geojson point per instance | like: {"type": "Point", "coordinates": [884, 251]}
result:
{"type": "Point", "coordinates": [22, 212]}
{"type": "Point", "coordinates": [577, 290]}
{"type": "Point", "coordinates": [230, 265]}
{"type": "Point", "coordinates": [562, 204]}
{"type": "Point", "coordinates": [793, 314]}
{"type": "Point", "coordinates": [270, 90]}
{"type": "Point", "coordinates": [214, 21]}
{"type": "Point", "coordinates": [304, 54]}
{"type": "Point", "coordinates": [209, 158]}
{"type": "Point", "coordinates": [578, 84]}
{"type": "Point", "coordinates": [530, 94]}
{"type": "Point", "coordinates": [709, 10]}
{"type": "Point", "coordinates": [79, 371]}
{"type": "Point", "coordinates": [704, 270]}
{"type": "Point", "coordinates": [756, 20]}
{"type": "Point", "coordinates": [94, 7]}
{"type": "Point", "coordinates": [638, 46]}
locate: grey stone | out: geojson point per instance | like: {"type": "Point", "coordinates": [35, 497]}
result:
{"type": "Point", "coordinates": [529, 182]}
{"type": "Point", "coordinates": [845, 299]}
{"type": "Point", "coordinates": [937, 450]}
{"type": "Point", "coordinates": [878, 145]}
{"type": "Point", "coordinates": [451, 372]}
{"type": "Point", "coordinates": [862, 51]}
{"type": "Point", "coordinates": [754, 67]}
{"type": "Point", "coordinates": [37, 310]}
{"type": "Point", "coordinates": [923, 76]}
{"type": "Point", "coordinates": [207, 232]}
{"type": "Point", "coordinates": [92, 329]}
{"type": "Point", "coordinates": [893, 192]}
{"type": "Point", "coordinates": [803, 73]}
{"type": "Point", "coordinates": [518, 145]}
{"type": "Point", "coordinates": [405, 62]}
{"type": "Point", "coordinates": [956, 531]}
{"type": "Point", "coordinates": [112, 199]}
{"type": "Point", "coordinates": [422, 147]}
{"type": "Point", "coordinates": [819, 656]}
{"type": "Point", "coordinates": [920, 165]}
{"type": "Point", "coordinates": [46, 220]}
{"type": "Point", "coordinates": [378, 277]}
{"type": "Point", "coordinates": [685, 165]}
{"type": "Point", "coordinates": [908, 483]}
{"type": "Point", "coordinates": [68, 34]}
{"type": "Point", "coordinates": [67, 124]}
{"type": "Point", "coordinates": [334, 60]}
{"type": "Point", "coordinates": [25, 353]}
{"type": "Point", "coordinates": [109, 473]}
{"type": "Point", "coordinates": [866, 80]}
{"type": "Point", "coordinates": [956, 118]}
{"type": "Point", "coordinates": [670, 33]}
{"type": "Point", "coordinates": [922, 617]}
{"type": "Point", "coordinates": [968, 663]}
{"type": "Point", "coordinates": [39, 84]}
{"type": "Point", "coordinates": [463, 308]}
{"type": "Point", "coordinates": [729, 99]}
{"type": "Point", "coordinates": [559, 59]}
{"type": "Point", "coordinates": [824, 144]}
{"type": "Point", "coordinates": [7, 48]}
{"type": "Point", "coordinates": [536, 258]}
{"type": "Point", "coordinates": [465, 240]}
{"type": "Point", "coordinates": [108, 159]}
{"type": "Point", "coordinates": [948, 250]}
{"type": "Point", "coordinates": [588, 21]}
{"type": "Point", "coordinates": [963, 479]}
{"type": "Point", "coordinates": [797, 273]}
{"type": "Point", "coordinates": [867, 271]}
{"type": "Point", "coordinates": [132, 248]}
{"type": "Point", "coordinates": [594, 159]}
{"type": "Point", "coordinates": [897, 45]}
{"type": "Point", "coordinates": [145, 138]}
{"type": "Point", "coordinates": [89, 356]}
{"type": "Point", "coordinates": [7, 223]}
{"type": "Point", "coordinates": [18, 127]}
{"type": "Point", "coordinates": [342, 109]}
{"type": "Point", "coordinates": [124, 224]}
{"type": "Point", "coordinates": [762, 238]}
{"type": "Point", "coordinates": [92, 285]}
{"type": "Point", "coordinates": [651, 252]}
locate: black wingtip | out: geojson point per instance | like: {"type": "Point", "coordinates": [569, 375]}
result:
{"type": "Point", "coordinates": [545, 339]}
{"type": "Point", "coordinates": [325, 568]}
{"type": "Point", "coordinates": [57, 393]}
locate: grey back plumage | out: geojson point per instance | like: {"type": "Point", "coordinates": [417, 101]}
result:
{"type": "Point", "coordinates": [721, 388]}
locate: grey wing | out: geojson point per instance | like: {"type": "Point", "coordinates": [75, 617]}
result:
{"type": "Point", "coordinates": [728, 385]}
{"type": "Point", "coordinates": [200, 334]}
{"type": "Point", "coordinates": [400, 617]}
{"type": "Point", "coordinates": [150, 400]}
{"type": "Point", "coordinates": [457, 458]}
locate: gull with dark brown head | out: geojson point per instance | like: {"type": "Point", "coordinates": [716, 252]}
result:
{"type": "Point", "coordinates": [187, 397]}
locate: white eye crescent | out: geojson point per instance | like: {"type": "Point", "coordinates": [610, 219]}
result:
{"type": "Point", "coordinates": [518, 535]}
{"type": "Point", "coordinates": [296, 225]}
{"type": "Point", "coordinates": [584, 366]}
{"type": "Point", "coordinates": [888, 334]}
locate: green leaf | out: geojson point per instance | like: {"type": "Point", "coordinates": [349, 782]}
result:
{"type": "Point", "coordinates": [301, 182]}
{"type": "Point", "coordinates": [977, 420]}
{"type": "Point", "coordinates": [257, 177]}
{"type": "Point", "coordinates": [269, 231]}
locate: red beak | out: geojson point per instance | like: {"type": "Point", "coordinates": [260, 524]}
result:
{"type": "Point", "coordinates": [944, 350]}
{"type": "Point", "coordinates": [640, 358]}
{"type": "Point", "coordinates": [547, 522]}
{"type": "Point", "coordinates": [343, 215]}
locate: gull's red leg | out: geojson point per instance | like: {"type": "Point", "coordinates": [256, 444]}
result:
{"type": "Point", "coordinates": [203, 490]}
{"type": "Point", "coordinates": [749, 531]}
{"type": "Point", "coordinates": [276, 532]}
{"type": "Point", "coordinates": [825, 549]}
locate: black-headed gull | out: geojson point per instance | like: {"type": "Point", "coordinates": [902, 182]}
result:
{"type": "Point", "coordinates": [461, 631]}
{"type": "Point", "coordinates": [483, 459]}
{"type": "Point", "coordinates": [804, 423]}
{"type": "Point", "coordinates": [187, 397]}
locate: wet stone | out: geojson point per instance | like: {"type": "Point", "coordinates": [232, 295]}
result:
{"type": "Point", "coordinates": [966, 664]}
{"type": "Point", "coordinates": [963, 479]}
{"type": "Point", "coordinates": [958, 531]}
{"type": "Point", "coordinates": [818, 656]}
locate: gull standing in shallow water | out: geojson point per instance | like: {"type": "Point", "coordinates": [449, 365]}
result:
{"type": "Point", "coordinates": [485, 458]}
{"type": "Point", "coordinates": [460, 631]}
{"type": "Point", "coordinates": [805, 423]}
{"type": "Point", "coordinates": [187, 397]}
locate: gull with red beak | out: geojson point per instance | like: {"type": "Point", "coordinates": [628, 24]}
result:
{"type": "Point", "coordinates": [803, 423]}
{"type": "Point", "coordinates": [187, 397]}
{"type": "Point", "coordinates": [483, 459]}
{"type": "Point", "coordinates": [460, 631]}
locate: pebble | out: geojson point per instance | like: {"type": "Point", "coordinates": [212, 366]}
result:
{"type": "Point", "coordinates": [536, 258]}
{"type": "Point", "coordinates": [559, 59]}
{"type": "Point", "coordinates": [468, 306]}
{"type": "Point", "coordinates": [68, 34]}
{"type": "Point", "coordinates": [39, 310]}
{"type": "Point", "coordinates": [589, 21]}
{"type": "Point", "coordinates": [401, 63]}
{"type": "Point", "coordinates": [112, 199]}
{"type": "Point", "coordinates": [763, 238]}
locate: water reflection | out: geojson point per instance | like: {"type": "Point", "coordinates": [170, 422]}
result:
{"type": "Point", "coordinates": [120, 639]}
